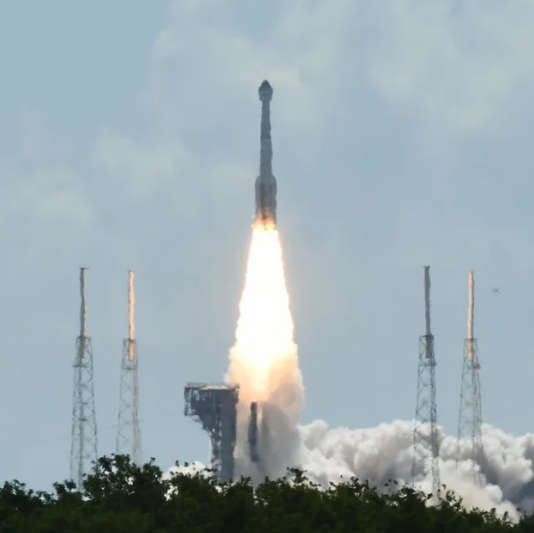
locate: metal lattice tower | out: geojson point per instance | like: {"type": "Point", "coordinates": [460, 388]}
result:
{"type": "Point", "coordinates": [426, 409]}
{"type": "Point", "coordinates": [129, 429]}
{"type": "Point", "coordinates": [257, 432]}
{"type": "Point", "coordinates": [84, 443]}
{"type": "Point", "coordinates": [215, 407]}
{"type": "Point", "coordinates": [470, 416]}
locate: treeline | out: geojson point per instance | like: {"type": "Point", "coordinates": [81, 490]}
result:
{"type": "Point", "coordinates": [121, 497]}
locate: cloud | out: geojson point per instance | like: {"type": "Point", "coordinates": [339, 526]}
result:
{"type": "Point", "coordinates": [461, 66]}
{"type": "Point", "coordinates": [385, 452]}
{"type": "Point", "coordinates": [300, 54]}
{"type": "Point", "coordinates": [455, 67]}
{"type": "Point", "coordinates": [38, 184]}
{"type": "Point", "coordinates": [47, 196]}
{"type": "Point", "coordinates": [139, 167]}
{"type": "Point", "coordinates": [455, 70]}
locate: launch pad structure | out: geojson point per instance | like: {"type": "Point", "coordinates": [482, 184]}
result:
{"type": "Point", "coordinates": [215, 407]}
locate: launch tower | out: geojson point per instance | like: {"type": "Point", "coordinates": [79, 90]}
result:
{"type": "Point", "coordinates": [426, 410]}
{"type": "Point", "coordinates": [84, 433]}
{"type": "Point", "coordinates": [129, 430]}
{"type": "Point", "coordinates": [470, 416]}
{"type": "Point", "coordinates": [215, 407]}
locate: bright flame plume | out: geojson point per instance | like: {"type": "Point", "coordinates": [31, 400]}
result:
{"type": "Point", "coordinates": [264, 359]}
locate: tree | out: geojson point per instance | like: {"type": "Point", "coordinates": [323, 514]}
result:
{"type": "Point", "coordinates": [119, 496]}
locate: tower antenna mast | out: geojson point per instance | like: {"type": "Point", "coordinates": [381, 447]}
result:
{"type": "Point", "coordinates": [129, 429]}
{"type": "Point", "coordinates": [426, 409]}
{"type": "Point", "coordinates": [84, 442]}
{"type": "Point", "coordinates": [470, 416]}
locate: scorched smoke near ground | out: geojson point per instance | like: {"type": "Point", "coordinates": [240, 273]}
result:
{"type": "Point", "coordinates": [253, 419]}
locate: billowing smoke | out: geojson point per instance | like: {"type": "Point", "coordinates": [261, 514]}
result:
{"type": "Point", "coordinates": [264, 362]}
{"type": "Point", "coordinates": [386, 452]}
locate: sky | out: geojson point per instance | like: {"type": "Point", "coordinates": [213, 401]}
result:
{"type": "Point", "coordinates": [129, 139]}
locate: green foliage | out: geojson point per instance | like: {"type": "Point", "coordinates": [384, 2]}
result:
{"type": "Point", "coordinates": [120, 497]}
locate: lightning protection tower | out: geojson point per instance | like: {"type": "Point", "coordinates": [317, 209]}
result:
{"type": "Point", "coordinates": [84, 433]}
{"type": "Point", "coordinates": [129, 430]}
{"type": "Point", "coordinates": [426, 410]}
{"type": "Point", "coordinates": [470, 417]}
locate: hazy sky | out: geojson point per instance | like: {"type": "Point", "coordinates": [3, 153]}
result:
{"type": "Point", "coordinates": [129, 139]}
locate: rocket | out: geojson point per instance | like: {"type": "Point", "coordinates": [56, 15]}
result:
{"type": "Point", "coordinates": [266, 182]}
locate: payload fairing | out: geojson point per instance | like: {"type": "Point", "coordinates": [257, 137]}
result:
{"type": "Point", "coordinates": [266, 182]}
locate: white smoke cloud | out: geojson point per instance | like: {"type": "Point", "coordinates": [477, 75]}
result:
{"type": "Point", "coordinates": [196, 467]}
{"type": "Point", "coordinates": [385, 453]}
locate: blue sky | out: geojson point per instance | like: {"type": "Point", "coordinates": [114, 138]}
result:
{"type": "Point", "coordinates": [129, 140]}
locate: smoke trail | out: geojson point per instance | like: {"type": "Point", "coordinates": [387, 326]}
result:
{"type": "Point", "coordinates": [264, 361]}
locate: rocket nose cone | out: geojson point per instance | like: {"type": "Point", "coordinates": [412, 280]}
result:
{"type": "Point", "coordinates": [265, 90]}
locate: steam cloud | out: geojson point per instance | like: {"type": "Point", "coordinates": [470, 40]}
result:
{"type": "Point", "coordinates": [385, 452]}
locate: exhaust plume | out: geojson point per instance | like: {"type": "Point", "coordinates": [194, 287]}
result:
{"type": "Point", "coordinates": [264, 362]}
